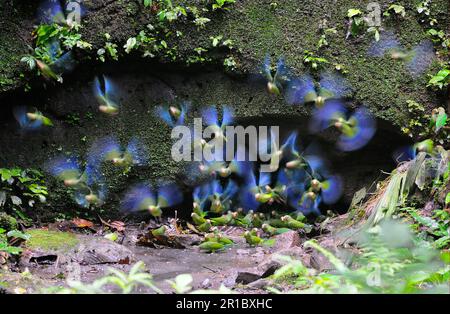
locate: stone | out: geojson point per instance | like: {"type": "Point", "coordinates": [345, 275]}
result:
{"type": "Point", "coordinates": [286, 240]}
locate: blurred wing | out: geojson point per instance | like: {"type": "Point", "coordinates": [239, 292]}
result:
{"type": "Point", "coordinates": [164, 114]}
{"type": "Point", "coordinates": [20, 113]}
{"type": "Point", "coordinates": [323, 117]}
{"type": "Point", "coordinates": [364, 130]}
{"type": "Point", "coordinates": [227, 116]}
{"type": "Point", "coordinates": [64, 168]}
{"type": "Point", "coordinates": [247, 200]}
{"type": "Point", "coordinates": [423, 56]}
{"type": "Point", "coordinates": [388, 42]}
{"type": "Point", "coordinates": [230, 190]}
{"type": "Point", "coordinates": [169, 195]}
{"type": "Point", "coordinates": [281, 75]}
{"type": "Point", "coordinates": [64, 64]}
{"type": "Point", "coordinates": [138, 198]}
{"type": "Point", "coordinates": [332, 189]}
{"type": "Point", "coordinates": [210, 116]}
{"type": "Point", "coordinates": [50, 11]}
{"type": "Point", "coordinates": [138, 152]}
{"type": "Point", "coordinates": [266, 68]}
{"type": "Point", "coordinates": [333, 85]}
{"type": "Point", "coordinates": [264, 179]}
{"type": "Point", "coordinates": [404, 154]}
{"type": "Point", "coordinates": [80, 198]}
{"type": "Point", "coordinates": [105, 149]}
{"type": "Point", "coordinates": [301, 90]}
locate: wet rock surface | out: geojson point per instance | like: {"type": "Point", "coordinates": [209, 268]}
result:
{"type": "Point", "coordinates": [241, 267]}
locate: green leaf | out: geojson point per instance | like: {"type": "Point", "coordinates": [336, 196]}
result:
{"type": "Point", "coordinates": [441, 121]}
{"type": "Point", "coordinates": [18, 234]}
{"type": "Point", "coordinates": [353, 12]}
{"type": "Point", "coordinates": [148, 3]}
{"type": "Point", "coordinates": [447, 199]}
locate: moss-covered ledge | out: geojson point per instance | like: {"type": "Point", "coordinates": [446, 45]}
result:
{"type": "Point", "coordinates": [256, 28]}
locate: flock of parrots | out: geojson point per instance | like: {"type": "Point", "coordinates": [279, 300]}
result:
{"type": "Point", "coordinates": [235, 192]}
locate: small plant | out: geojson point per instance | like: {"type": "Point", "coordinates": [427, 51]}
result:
{"type": "Point", "coordinates": [125, 283]}
{"type": "Point", "coordinates": [323, 42]}
{"type": "Point", "coordinates": [4, 244]}
{"type": "Point", "coordinates": [201, 22]}
{"type": "Point", "coordinates": [391, 260]}
{"type": "Point", "coordinates": [356, 20]}
{"type": "Point", "coordinates": [396, 9]}
{"type": "Point", "coordinates": [229, 63]}
{"type": "Point", "coordinates": [20, 189]}
{"type": "Point", "coordinates": [222, 4]}
{"type": "Point", "coordinates": [109, 48]}
{"type": "Point", "coordinates": [440, 79]}
{"type": "Point", "coordinates": [313, 61]}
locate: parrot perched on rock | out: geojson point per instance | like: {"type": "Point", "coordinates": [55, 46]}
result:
{"type": "Point", "coordinates": [303, 90]}
{"type": "Point", "coordinates": [109, 149]}
{"type": "Point", "coordinates": [225, 219]}
{"type": "Point", "coordinates": [356, 129]}
{"type": "Point", "coordinates": [252, 238]}
{"type": "Point", "coordinates": [292, 223]}
{"type": "Point", "coordinates": [276, 78]}
{"type": "Point", "coordinates": [106, 96]}
{"type": "Point", "coordinates": [144, 197]}
{"type": "Point", "coordinates": [417, 60]}
{"type": "Point", "coordinates": [30, 119]}
{"type": "Point", "coordinates": [173, 115]}
{"type": "Point", "coordinates": [272, 230]}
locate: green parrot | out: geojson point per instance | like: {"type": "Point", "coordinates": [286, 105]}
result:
{"type": "Point", "coordinates": [295, 224]}
{"type": "Point", "coordinates": [197, 219]}
{"type": "Point", "coordinates": [274, 231]}
{"type": "Point", "coordinates": [206, 226]}
{"type": "Point", "coordinates": [252, 239]}
{"type": "Point", "coordinates": [224, 219]}
{"type": "Point", "coordinates": [159, 232]}
{"type": "Point", "coordinates": [211, 246]}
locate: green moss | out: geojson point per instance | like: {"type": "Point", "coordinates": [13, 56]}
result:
{"type": "Point", "coordinates": [7, 222]}
{"type": "Point", "coordinates": [51, 240]}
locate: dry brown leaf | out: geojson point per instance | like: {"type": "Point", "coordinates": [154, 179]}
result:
{"type": "Point", "coordinates": [82, 223]}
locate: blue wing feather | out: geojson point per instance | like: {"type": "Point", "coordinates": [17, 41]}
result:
{"type": "Point", "coordinates": [138, 151]}
{"type": "Point", "coordinates": [298, 89]}
{"type": "Point", "coordinates": [364, 131]}
{"type": "Point", "coordinates": [333, 192]}
{"type": "Point", "coordinates": [210, 116]}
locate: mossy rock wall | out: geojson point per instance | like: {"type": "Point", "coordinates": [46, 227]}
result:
{"type": "Point", "coordinates": [382, 84]}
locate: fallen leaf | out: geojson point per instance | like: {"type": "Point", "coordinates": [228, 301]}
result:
{"type": "Point", "coordinates": [82, 223]}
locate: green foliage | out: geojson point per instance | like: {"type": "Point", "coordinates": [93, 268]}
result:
{"type": "Point", "coordinates": [5, 246]}
{"type": "Point", "coordinates": [323, 42]}
{"type": "Point", "coordinates": [435, 229]}
{"type": "Point", "coordinates": [357, 23]}
{"type": "Point", "coordinates": [418, 119]}
{"type": "Point", "coordinates": [315, 62]}
{"type": "Point", "coordinates": [182, 283]}
{"type": "Point", "coordinates": [391, 260]}
{"type": "Point", "coordinates": [109, 48]}
{"type": "Point", "coordinates": [222, 4]}
{"type": "Point", "coordinates": [115, 280]}
{"type": "Point", "coordinates": [440, 79]}
{"type": "Point", "coordinates": [397, 9]}
{"type": "Point", "coordinates": [20, 189]}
